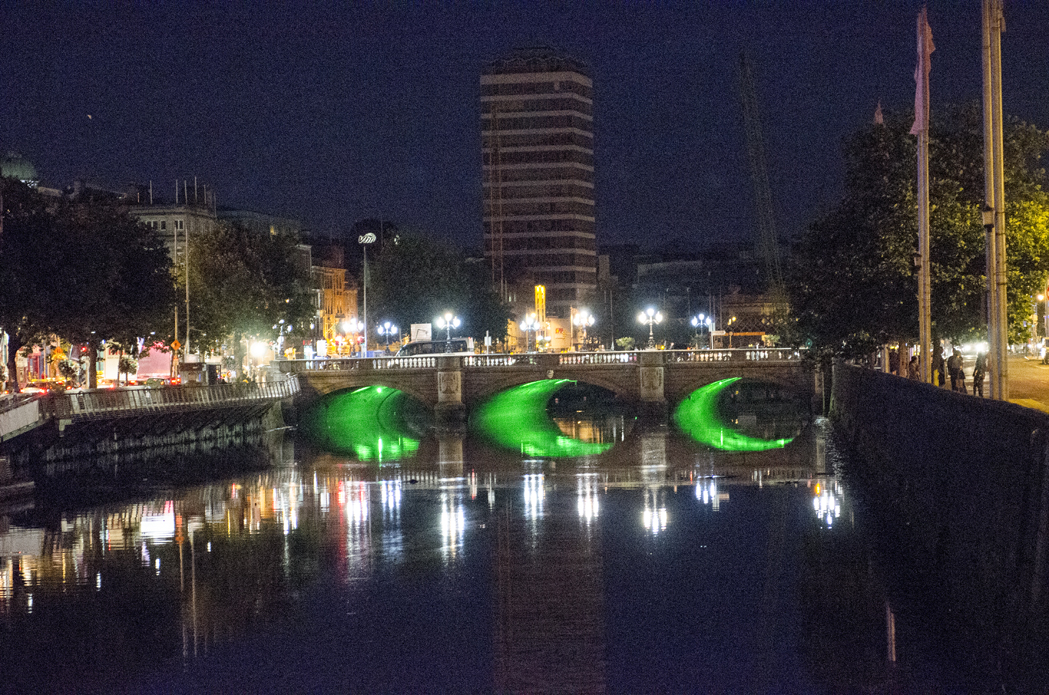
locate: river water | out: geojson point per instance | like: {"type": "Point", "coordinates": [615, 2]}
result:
{"type": "Point", "coordinates": [456, 563]}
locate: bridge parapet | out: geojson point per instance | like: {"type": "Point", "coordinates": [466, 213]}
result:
{"type": "Point", "coordinates": [454, 381]}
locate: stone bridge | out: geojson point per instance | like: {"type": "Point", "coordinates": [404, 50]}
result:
{"type": "Point", "coordinates": [647, 377]}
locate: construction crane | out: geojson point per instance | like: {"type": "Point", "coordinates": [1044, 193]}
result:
{"type": "Point", "coordinates": [767, 243]}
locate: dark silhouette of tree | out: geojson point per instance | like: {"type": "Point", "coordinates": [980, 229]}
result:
{"type": "Point", "coordinates": [852, 282]}
{"type": "Point", "coordinates": [30, 289]}
{"type": "Point", "coordinates": [242, 284]}
{"type": "Point", "coordinates": [115, 277]}
{"type": "Point", "coordinates": [417, 279]}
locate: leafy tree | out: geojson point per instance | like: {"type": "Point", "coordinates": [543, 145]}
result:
{"type": "Point", "coordinates": [245, 285]}
{"type": "Point", "coordinates": [115, 277]}
{"type": "Point", "coordinates": [853, 284]}
{"type": "Point", "coordinates": [417, 279]}
{"type": "Point", "coordinates": [30, 287]}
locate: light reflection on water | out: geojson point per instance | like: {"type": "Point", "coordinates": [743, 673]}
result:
{"type": "Point", "coordinates": [461, 569]}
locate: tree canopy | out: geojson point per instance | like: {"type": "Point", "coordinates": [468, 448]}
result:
{"type": "Point", "coordinates": [852, 280]}
{"type": "Point", "coordinates": [242, 284]}
{"type": "Point", "coordinates": [82, 269]}
{"type": "Point", "coordinates": [417, 279]}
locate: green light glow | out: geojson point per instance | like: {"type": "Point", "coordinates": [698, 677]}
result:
{"type": "Point", "coordinates": [516, 419]}
{"type": "Point", "coordinates": [697, 416]}
{"type": "Point", "coordinates": [365, 422]}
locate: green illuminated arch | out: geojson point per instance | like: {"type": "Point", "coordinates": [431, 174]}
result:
{"type": "Point", "coordinates": [367, 422]}
{"type": "Point", "coordinates": [697, 416]}
{"type": "Point", "coordinates": [517, 419]}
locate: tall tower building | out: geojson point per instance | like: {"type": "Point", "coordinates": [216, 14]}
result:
{"type": "Point", "coordinates": [538, 148]}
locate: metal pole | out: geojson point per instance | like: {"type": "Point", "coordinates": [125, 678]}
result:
{"type": "Point", "coordinates": [994, 200]}
{"type": "Point", "coordinates": [924, 292]}
{"type": "Point", "coordinates": [999, 198]}
{"type": "Point", "coordinates": [187, 285]}
{"type": "Point", "coordinates": [365, 300]}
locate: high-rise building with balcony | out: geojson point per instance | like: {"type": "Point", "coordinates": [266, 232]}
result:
{"type": "Point", "coordinates": [538, 150]}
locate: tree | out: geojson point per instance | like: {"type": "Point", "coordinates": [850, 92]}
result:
{"type": "Point", "coordinates": [852, 282]}
{"type": "Point", "coordinates": [115, 277]}
{"type": "Point", "coordinates": [417, 279]}
{"type": "Point", "coordinates": [30, 287]}
{"type": "Point", "coordinates": [245, 285]}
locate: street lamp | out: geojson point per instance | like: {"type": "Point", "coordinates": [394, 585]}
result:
{"type": "Point", "coordinates": [704, 320]}
{"type": "Point", "coordinates": [387, 329]}
{"type": "Point", "coordinates": [448, 322]}
{"type": "Point", "coordinates": [364, 240]}
{"type": "Point", "coordinates": [583, 320]}
{"type": "Point", "coordinates": [530, 323]}
{"type": "Point", "coordinates": [651, 317]}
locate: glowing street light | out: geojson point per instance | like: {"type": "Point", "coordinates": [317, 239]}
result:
{"type": "Point", "coordinates": [583, 320]}
{"type": "Point", "coordinates": [530, 323]}
{"type": "Point", "coordinates": [651, 317]}
{"type": "Point", "coordinates": [448, 322]}
{"type": "Point", "coordinates": [387, 329]}
{"type": "Point", "coordinates": [704, 320]}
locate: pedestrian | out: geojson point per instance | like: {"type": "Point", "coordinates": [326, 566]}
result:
{"type": "Point", "coordinates": [938, 376]}
{"type": "Point", "coordinates": [978, 374]}
{"type": "Point", "coordinates": [894, 362]}
{"type": "Point", "coordinates": [954, 368]}
{"type": "Point", "coordinates": [912, 368]}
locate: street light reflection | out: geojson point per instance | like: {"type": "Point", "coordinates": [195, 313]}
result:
{"type": "Point", "coordinates": [587, 499]}
{"type": "Point", "coordinates": [654, 516]}
{"type": "Point", "coordinates": [827, 502]}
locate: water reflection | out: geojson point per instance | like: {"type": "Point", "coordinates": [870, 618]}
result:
{"type": "Point", "coordinates": [654, 516]}
{"type": "Point", "coordinates": [497, 573]}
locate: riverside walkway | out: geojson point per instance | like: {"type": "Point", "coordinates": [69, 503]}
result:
{"type": "Point", "coordinates": [25, 412]}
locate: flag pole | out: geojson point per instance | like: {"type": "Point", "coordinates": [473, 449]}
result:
{"type": "Point", "coordinates": [921, 129]}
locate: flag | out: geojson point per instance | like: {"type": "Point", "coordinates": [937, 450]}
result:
{"type": "Point", "coordinates": [921, 74]}
{"type": "Point", "coordinates": [879, 119]}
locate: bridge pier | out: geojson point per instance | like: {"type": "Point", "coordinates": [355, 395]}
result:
{"type": "Point", "coordinates": [450, 409]}
{"type": "Point", "coordinates": [651, 392]}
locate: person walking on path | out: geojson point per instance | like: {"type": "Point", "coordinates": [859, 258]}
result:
{"type": "Point", "coordinates": [979, 371]}
{"type": "Point", "coordinates": [954, 368]}
{"type": "Point", "coordinates": [938, 376]}
{"type": "Point", "coordinates": [912, 369]}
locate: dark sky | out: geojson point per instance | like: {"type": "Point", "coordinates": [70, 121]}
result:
{"type": "Point", "coordinates": [331, 114]}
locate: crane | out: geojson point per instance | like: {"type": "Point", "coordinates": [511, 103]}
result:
{"type": "Point", "coordinates": [767, 243]}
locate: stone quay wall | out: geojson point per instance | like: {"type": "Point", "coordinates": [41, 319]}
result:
{"type": "Point", "coordinates": [959, 483]}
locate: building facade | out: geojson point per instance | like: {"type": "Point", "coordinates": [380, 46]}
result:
{"type": "Point", "coordinates": [538, 177]}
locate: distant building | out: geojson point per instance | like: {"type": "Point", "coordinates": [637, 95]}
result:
{"type": "Point", "coordinates": [538, 161]}
{"type": "Point", "coordinates": [261, 222]}
{"type": "Point", "coordinates": [336, 294]}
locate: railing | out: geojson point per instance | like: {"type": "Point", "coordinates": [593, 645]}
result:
{"type": "Point", "coordinates": [598, 357]}
{"type": "Point", "coordinates": [531, 359]}
{"type": "Point", "coordinates": [101, 402]}
{"type": "Point", "coordinates": [18, 413]}
{"type": "Point", "coordinates": [734, 355]}
{"type": "Point", "coordinates": [15, 400]}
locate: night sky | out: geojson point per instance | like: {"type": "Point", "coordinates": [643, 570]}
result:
{"type": "Point", "coordinates": [339, 113]}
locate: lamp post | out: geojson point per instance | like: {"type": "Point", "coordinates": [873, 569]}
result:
{"type": "Point", "coordinates": [387, 329]}
{"type": "Point", "coordinates": [364, 240]}
{"type": "Point", "coordinates": [530, 323]}
{"type": "Point", "coordinates": [448, 322]}
{"type": "Point", "coordinates": [583, 320]}
{"type": "Point", "coordinates": [704, 320]}
{"type": "Point", "coordinates": [651, 317]}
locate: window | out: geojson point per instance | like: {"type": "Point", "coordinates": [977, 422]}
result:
{"type": "Point", "coordinates": [179, 225]}
{"type": "Point", "coordinates": [163, 225]}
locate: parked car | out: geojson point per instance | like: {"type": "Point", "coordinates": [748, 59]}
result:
{"type": "Point", "coordinates": [460, 346]}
